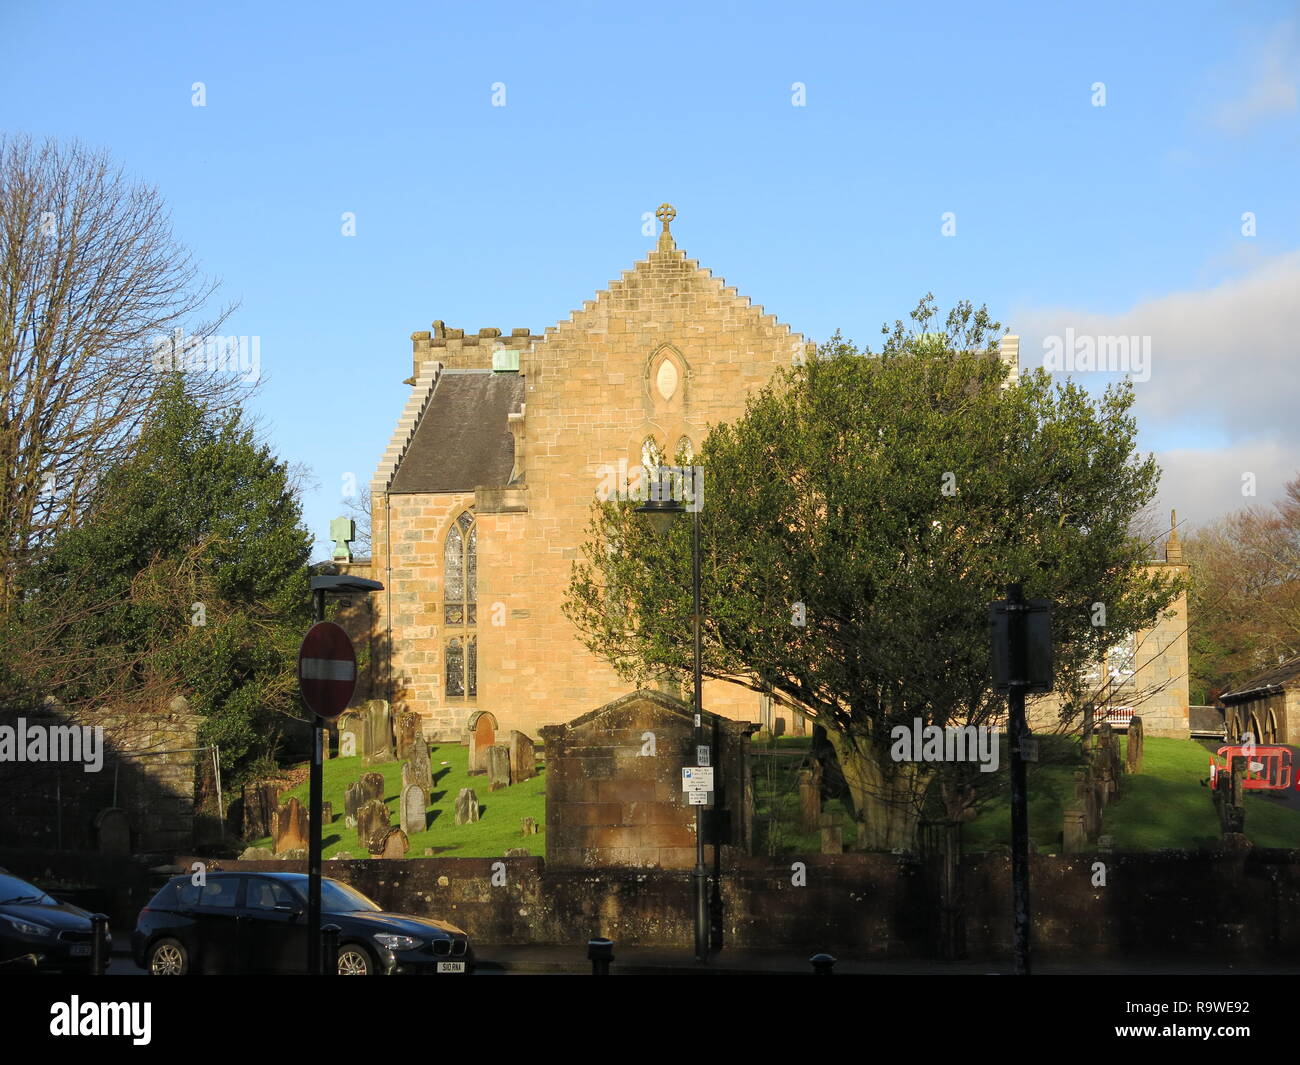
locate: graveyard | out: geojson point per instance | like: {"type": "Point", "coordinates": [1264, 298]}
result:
{"type": "Point", "coordinates": [496, 831]}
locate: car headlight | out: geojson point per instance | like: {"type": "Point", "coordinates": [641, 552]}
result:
{"type": "Point", "coordinates": [397, 942]}
{"type": "Point", "coordinates": [29, 929]}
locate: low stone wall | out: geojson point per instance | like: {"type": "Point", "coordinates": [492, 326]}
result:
{"type": "Point", "coordinates": [1170, 904]}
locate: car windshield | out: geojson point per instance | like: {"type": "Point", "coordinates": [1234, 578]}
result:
{"type": "Point", "coordinates": [14, 890]}
{"type": "Point", "coordinates": [339, 898]}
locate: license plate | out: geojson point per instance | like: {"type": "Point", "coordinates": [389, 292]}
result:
{"type": "Point", "coordinates": [80, 950]}
{"type": "Point", "coordinates": [451, 966]}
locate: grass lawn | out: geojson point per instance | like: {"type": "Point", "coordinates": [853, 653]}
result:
{"type": "Point", "coordinates": [497, 831]}
{"type": "Point", "coordinates": [1163, 807]}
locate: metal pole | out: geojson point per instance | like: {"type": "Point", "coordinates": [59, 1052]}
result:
{"type": "Point", "coordinates": [1019, 677]}
{"type": "Point", "coordinates": [700, 876]}
{"type": "Point", "coordinates": [314, 816]}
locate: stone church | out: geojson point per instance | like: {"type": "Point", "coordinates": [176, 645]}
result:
{"type": "Point", "coordinates": [483, 498]}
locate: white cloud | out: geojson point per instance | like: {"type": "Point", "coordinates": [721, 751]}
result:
{"type": "Point", "coordinates": [1225, 357]}
{"type": "Point", "coordinates": [1205, 484]}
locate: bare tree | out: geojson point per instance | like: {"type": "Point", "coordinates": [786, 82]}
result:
{"type": "Point", "coordinates": [92, 290]}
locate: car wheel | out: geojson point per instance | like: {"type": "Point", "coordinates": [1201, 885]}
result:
{"type": "Point", "coordinates": [356, 960]}
{"type": "Point", "coordinates": [168, 957]}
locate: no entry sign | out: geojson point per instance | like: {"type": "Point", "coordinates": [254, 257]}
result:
{"type": "Point", "coordinates": [327, 669]}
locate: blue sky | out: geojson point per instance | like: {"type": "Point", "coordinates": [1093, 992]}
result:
{"type": "Point", "coordinates": [1125, 217]}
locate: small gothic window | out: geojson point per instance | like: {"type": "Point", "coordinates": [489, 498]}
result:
{"type": "Point", "coordinates": [459, 606]}
{"type": "Point", "coordinates": [455, 667]}
{"type": "Point", "coordinates": [460, 555]}
{"type": "Point", "coordinates": [652, 457]}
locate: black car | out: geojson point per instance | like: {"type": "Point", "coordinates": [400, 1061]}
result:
{"type": "Point", "coordinates": [257, 923]}
{"type": "Point", "coordinates": [38, 932]}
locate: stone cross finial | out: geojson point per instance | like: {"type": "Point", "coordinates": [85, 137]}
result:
{"type": "Point", "coordinates": [1173, 546]}
{"type": "Point", "coordinates": [342, 530]}
{"type": "Point", "coordinates": [666, 213]}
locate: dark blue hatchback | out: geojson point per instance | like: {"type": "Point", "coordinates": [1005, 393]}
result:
{"type": "Point", "coordinates": [257, 923]}
{"type": "Point", "coordinates": [38, 932]}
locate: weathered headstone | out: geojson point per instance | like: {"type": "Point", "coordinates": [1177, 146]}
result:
{"type": "Point", "coordinates": [289, 830]}
{"type": "Point", "coordinates": [256, 854]}
{"type": "Point", "coordinates": [415, 801]}
{"type": "Point", "coordinates": [1133, 755]}
{"type": "Point", "coordinates": [523, 758]}
{"type": "Point", "coordinates": [519, 852]}
{"type": "Point", "coordinates": [409, 733]}
{"type": "Point", "coordinates": [113, 831]}
{"type": "Point", "coordinates": [498, 767]}
{"type": "Point", "coordinates": [529, 826]}
{"type": "Point", "coordinates": [369, 786]}
{"type": "Point", "coordinates": [1074, 836]}
{"type": "Point", "coordinates": [372, 822]}
{"type": "Point", "coordinates": [351, 734]}
{"type": "Point", "coordinates": [325, 742]}
{"type": "Point", "coordinates": [482, 735]}
{"type": "Point", "coordinates": [389, 844]}
{"type": "Point", "coordinates": [379, 732]}
{"type": "Point", "coordinates": [810, 797]}
{"type": "Point", "coordinates": [832, 835]}
{"type": "Point", "coordinates": [372, 786]}
{"type": "Point", "coordinates": [418, 759]}
{"type": "Point", "coordinates": [466, 806]}
{"type": "Point", "coordinates": [260, 802]}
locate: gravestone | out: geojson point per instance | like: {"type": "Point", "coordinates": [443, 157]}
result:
{"type": "Point", "coordinates": [466, 806]}
{"type": "Point", "coordinates": [498, 767]}
{"type": "Point", "coordinates": [482, 735]}
{"type": "Point", "coordinates": [390, 844]}
{"type": "Point", "coordinates": [372, 822]}
{"type": "Point", "coordinates": [529, 826]}
{"type": "Point", "coordinates": [326, 814]}
{"type": "Point", "coordinates": [113, 831]}
{"type": "Point", "coordinates": [256, 854]}
{"type": "Point", "coordinates": [810, 797]}
{"type": "Point", "coordinates": [369, 786]}
{"type": "Point", "coordinates": [1074, 836]}
{"type": "Point", "coordinates": [419, 762]}
{"type": "Point", "coordinates": [379, 733]}
{"type": "Point", "coordinates": [415, 801]}
{"type": "Point", "coordinates": [325, 738]}
{"type": "Point", "coordinates": [289, 831]}
{"type": "Point", "coordinates": [260, 802]}
{"type": "Point", "coordinates": [409, 733]}
{"type": "Point", "coordinates": [351, 734]}
{"type": "Point", "coordinates": [372, 786]}
{"type": "Point", "coordinates": [519, 852]}
{"type": "Point", "coordinates": [832, 835]}
{"type": "Point", "coordinates": [1133, 756]}
{"type": "Point", "coordinates": [523, 758]}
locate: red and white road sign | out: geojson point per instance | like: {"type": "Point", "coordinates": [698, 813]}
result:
{"type": "Point", "coordinates": [327, 669]}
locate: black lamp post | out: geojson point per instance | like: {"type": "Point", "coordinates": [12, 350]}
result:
{"type": "Point", "coordinates": [662, 513]}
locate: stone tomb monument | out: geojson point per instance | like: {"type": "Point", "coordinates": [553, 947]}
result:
{"type": "Point", "coordinates": [608, 803]}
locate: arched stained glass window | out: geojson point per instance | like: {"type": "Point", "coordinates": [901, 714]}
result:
{"type": "Point", "coordinates": [460, 572]}
{"type": "Point", "coordinates": [460, 607]}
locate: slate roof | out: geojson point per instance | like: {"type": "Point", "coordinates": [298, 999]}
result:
{"type": "Point", "coordinates": [1277, 677]}
{"type": "Point", "coordinates": [463, 439]}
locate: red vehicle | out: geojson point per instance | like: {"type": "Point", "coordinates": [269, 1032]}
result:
{"type": "Point", "coordinates": [1266, 767]}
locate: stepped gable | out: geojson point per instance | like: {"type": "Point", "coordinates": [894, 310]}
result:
{"type": "Point", "coordinates": [664, 280]}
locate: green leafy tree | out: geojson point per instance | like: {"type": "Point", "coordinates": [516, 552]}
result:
{"type": "Point", "coordinates": [855, 523]}
{"type": "Point", "coordinates": [189, 575]}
